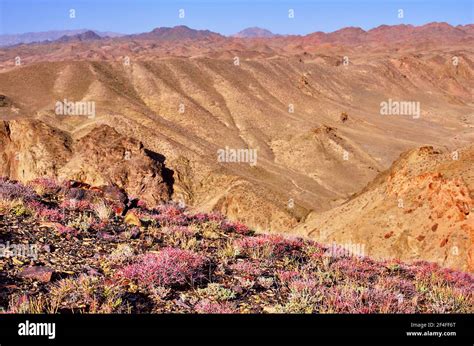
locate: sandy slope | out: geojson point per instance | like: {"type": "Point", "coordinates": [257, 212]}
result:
{"type": "Point", "coordinates": [422, 207]}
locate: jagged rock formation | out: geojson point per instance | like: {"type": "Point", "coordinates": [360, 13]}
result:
{"type": "Point", "coordinates": [104, 156]}
{"type": "Point", "coordinates": [31, 149]}
{"type": "Point", "coordinates": [421, 208]}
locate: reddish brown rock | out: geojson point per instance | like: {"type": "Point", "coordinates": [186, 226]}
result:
{"type": "Point", "coordinates": [344, 117]}
{"type": "Point", "coordinates": [425, 190]}
{"type": "Point", "coordinates": [118, 164]}
{"type": "Point", "coordinates": [38, 273]}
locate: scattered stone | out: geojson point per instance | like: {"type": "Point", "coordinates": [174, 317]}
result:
{"type": "Point", "coordinates": [4, 101]}
{"type": "Point", "coordinates": [114, 193]}
{"type": "Point", "coordinates": [344, 117]}
{"type": "Point", "coordinates": [39, 273]}
{"type": "Point", "coordinates": [106, 236]}
{"type": "Point", "coordinates": [132, 219]}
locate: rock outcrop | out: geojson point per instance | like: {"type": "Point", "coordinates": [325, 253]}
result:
{"type": "Point", "coordinates": [31, 149]}
{"type": "Point", "coordinates": [420, 209]}
{"type": "Point", "coordinates": [104, 157]}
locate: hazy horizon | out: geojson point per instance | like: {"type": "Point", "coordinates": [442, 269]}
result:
{"type": "Point", "coordinates": [226, 18]}
{"type": "Point", "coordinates": [249, 27]}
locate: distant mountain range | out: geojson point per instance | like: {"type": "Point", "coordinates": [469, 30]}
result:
{"type": "Point", "coordinates": [85, 36]}
{"type": "Point", "coordinates": [394, 33]}
{"type": "Point", "coordinates": [177, 33]}
{"type": "Point", "coordinates": [349, 35]}
{"type": "Point", "coordinates": [30, 37]}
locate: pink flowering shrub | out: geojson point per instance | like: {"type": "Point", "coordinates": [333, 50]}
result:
{"type": "Point", "coordinates": [179, 230]}
{"type": "Point", "coordinates": [288, 276]}
{"type": "Point", "coordinates": [200, 217]}
{"type": "Point", "coordinates": [266, 246]}
{"type": "Point", "coordinates": [304, 286]}
{"type": "Point", "coordinates": [457, 278]}
{"type": "Point", "coordinates": [141, 204]}
{"type": "Point", "coordinates": [169, 209]}
{"type": "Point", "coordinates": [67, 231]}
{"type": "Point", "coordinates": [204, 217]}
{"type": "Point", "coordinates": [76, 205]}
{"type": "Point", "coordinates": [53, 215]}
{"type": "Point", "coordinates": [168, 214]}
{"type": "Point", "coordinates": [236, 227]}
{"type": "Point", "coordinates": [207, 306]}
{"type": "Point", "coordinates": [247, 269]}
{"type": "Point", "coordinates": [431, 273]}
{"type": "Point", "coordinates": [357, 268]}
{"type": "Point", "coordinates": [99, 225]}
{"type": "Point", "coordinates": [44, 185]}
{"type": "Point", "coordinates": [169, 267]}
{"type": "Point", "coordinates": [11, 190]}
{"type": "Point", "coordinates": [45, 213]}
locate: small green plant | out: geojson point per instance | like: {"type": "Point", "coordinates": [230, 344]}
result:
{"type": "Point", "coordinates": [121, 254]}
{"type": "Point", "coordinates": [159, 293]}
{"type": "Point", "coordinates": [102, 210]}
{"type": "Point", "coordinates": [227, 251]}
{"type": "Point", "coordinates": [216, 292]}
{"type": "Point", "coordinates": [82, 222]}
{"type": "Point", "coordinates": [303, 298]}
{"type": "Point", "coordinates": [26, 305]}
{"type": "Point", "coordinates": [20, 210]}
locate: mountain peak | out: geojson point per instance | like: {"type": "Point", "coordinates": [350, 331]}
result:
{"type": "Point", "coordinates": [88, 35]}
{"type": "Point", "coordinates": [179, 32]}
{"type": "Point", "coordinates": [254, 32]}
{"type": "Point", "coordinates": [174, 28]}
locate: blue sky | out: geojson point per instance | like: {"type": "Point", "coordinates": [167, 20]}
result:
{"type": "Point", "coordinates": [226, 17]}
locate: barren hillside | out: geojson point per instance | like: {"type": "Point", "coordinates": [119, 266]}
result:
{"type": "Point", "coordinates": [421, 207]}
{"type": "Point", "coordinates": [309, 105]}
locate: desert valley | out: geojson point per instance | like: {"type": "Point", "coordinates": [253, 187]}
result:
{"type": "Point", "coordinates": [362, 140]}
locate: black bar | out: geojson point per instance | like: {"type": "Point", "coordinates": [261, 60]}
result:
{"type": "Point", "coordinates": [240, 329]}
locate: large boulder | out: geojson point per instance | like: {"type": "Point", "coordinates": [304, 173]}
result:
{"type": "Point", "coordinates": [104, 157]}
